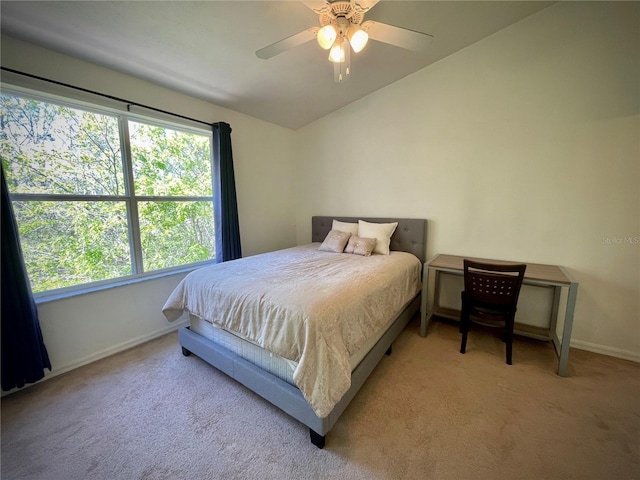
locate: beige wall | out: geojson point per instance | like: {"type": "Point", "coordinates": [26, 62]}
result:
{"type": "Point", "coordinates": [524, 146]}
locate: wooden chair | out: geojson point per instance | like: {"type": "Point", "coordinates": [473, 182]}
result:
{"type": "Point", "coordinates": [490, 298]}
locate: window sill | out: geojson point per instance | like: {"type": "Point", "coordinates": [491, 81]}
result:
{"type": "Point", "coordinates": [63, 294]}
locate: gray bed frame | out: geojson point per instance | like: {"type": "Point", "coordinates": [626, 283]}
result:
{"type": "Point", "coordinates": [410, 236]}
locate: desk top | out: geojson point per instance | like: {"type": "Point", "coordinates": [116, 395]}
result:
{"type": "Point", "coordinates": [538, 272]}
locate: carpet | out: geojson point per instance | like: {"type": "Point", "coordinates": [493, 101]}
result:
{"type": "Point", "coordinates": [426, 412]}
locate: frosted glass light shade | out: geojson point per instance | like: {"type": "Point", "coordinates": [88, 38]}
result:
{"type": "Point", "coordinates": [337, 53]}
{"type": "Point", "coordinates": [326, 36]}
{"type": "Point", "coordinates": [357, 38]}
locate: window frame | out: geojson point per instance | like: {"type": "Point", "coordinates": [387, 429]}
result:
{"type": "Point", "coordinates": [130, 199]}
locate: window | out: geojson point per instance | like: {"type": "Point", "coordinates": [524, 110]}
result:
{"type": "Point", "coordinates": [99, 195]}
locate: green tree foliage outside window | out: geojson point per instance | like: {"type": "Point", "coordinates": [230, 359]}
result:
{"type": "Point", "coordinates": [93, 204]}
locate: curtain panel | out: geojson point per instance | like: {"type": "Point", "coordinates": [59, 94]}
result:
{"type": "Point", "coordinates": [24, 355]}
{"type": "Point", "coordinates": [227, 228]}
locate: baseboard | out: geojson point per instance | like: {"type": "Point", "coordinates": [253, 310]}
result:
{"type": "Point", "coordinates": [103, 354]}
{"type": "Point", "coordinates": [612, 352]}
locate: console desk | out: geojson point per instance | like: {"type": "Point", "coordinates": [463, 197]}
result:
{"type": "Point", "coordinates": [536, 274]}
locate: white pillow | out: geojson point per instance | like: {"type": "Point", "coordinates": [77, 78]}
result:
{"type": "Point", "coordinates": [351, 228]}
{"type": "Point", "coordinates": [380, 231]}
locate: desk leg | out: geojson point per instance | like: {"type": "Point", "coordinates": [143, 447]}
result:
{"type": "Point", "coordinates": [427, 312]}
{"type": "Point", "coordinates": [555, 308]}
{"type": "Point", "coordinates": [566, 331]}
{"type": "Point", "coordinates": [425, 302]}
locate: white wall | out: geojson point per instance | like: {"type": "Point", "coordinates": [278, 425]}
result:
{"type": "Point", "coordinates": [83, 328]}
{"type": "Point", "coordinates": [524, 146]}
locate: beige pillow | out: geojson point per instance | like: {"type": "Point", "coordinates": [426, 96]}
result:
{"type": "Point", "coordinates": [360, 246]}
{"type": "Point", "coordinates": [335, 241]}
{"type": "Point", "coordinates": [380, 231]}
{"type": "Point", "coordinates": [351, 228]}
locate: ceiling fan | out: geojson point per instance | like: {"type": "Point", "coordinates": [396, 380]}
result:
{"type": "Point", "coordinates": [342, 28]}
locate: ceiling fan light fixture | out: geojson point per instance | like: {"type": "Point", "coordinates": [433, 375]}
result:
{"type": "Point", "coordinates": [342, 29]}
{"type": "Point", "coordinates": [337, 53]}
{"type": "Point", "coordinates": [357, 38]}
{"type": "Point", "coordinates": [327, 36]}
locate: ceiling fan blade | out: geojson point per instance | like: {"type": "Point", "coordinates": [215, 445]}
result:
{"type": "Point", "coordinates": [287, 43]}
{"type": "Point", "coordinates": [367, 4]}
{"type": "Point", "coordinates": [316, 6]}
{"type": "Point", "coordinates": [400, 37]}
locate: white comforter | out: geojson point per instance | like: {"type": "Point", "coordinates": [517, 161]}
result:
{"type": "Point", "coordinates": [315, 308]}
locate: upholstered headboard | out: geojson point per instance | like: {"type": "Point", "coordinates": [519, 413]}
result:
{"type": "Point", "coordinates": [410, 236]}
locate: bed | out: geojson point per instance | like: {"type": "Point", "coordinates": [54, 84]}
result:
{"type": "Point", "coordinates": [285, 341]}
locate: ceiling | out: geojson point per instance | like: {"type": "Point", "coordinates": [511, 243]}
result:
{"type": "Point", "coordinates": [207, 49]}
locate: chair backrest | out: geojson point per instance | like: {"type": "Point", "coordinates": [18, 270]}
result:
{"type": "Point", "coordinates": [493, 285]}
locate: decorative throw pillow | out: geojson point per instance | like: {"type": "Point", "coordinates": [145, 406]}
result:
{"type": "Point", "coordinates": [335, 241]}
{"type": "Point", "coordinates": [360, 246]}
{"type": "Point", "coordinates": [380, 231]}
{"type": "Point", "coordinates": [351, 228]}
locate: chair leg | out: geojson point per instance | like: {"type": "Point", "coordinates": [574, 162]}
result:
{"type": "Point", "coordinates": [461, 310]}
{"type": "Point", "coordinates": [509, 341]}
{"type": "Point", "coordinates": [464, 328]}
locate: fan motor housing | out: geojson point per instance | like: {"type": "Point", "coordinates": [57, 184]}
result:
{"type": "Point", "coordinates": [350, 11]}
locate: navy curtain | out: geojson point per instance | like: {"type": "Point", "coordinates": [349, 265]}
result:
{"type": "Point", "coordinates": [224, 193]}
{"type": "Point", "coordinates": [24, 356]}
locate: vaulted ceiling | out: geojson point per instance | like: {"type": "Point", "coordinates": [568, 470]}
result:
{"type": "Point", "coordinates": [207, 49]}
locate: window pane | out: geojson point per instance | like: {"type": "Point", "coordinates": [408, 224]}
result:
{"type": "Point", "coordinates": [53, 149]}
{"type": "Point", "coordinates": [176, 233]}
{"type": "Point", "coordinates": [71, 243]}
{"type": "Point", "coordinates": [169, 162]}
{"type": "Point", "coordinates": [49, 150]}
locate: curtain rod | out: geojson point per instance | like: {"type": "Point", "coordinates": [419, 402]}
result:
{"type": "Point", "coordinates": [111, 97]}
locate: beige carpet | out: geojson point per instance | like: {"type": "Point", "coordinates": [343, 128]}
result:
{"type": "Point", "coordinates": [427, 412]}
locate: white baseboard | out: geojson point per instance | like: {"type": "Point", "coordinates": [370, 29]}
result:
{"type": "Point", "coordinates": [59, 370]}
{"type": "Point", "coordinates": [612, 352]}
